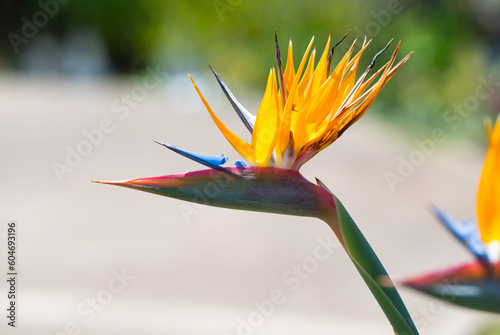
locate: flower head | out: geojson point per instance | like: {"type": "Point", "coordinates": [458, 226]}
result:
{"type": "Point", "coordinates": [305, 110]}
{"type": "Point", "coordinates": [483, 238]}
{"type": "Point", "coordinates": [477, 284]}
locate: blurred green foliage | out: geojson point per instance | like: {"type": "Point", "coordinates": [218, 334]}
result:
{"type": "Point", "coordinates": [452, 45]}
{"type": "Point", "coordinates": [492, 330]}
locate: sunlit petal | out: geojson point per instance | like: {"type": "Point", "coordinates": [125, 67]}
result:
{"type": "Point", "coordinates": [488, 199]}
{"type": "Point", "coordinates": [290, 69]}
{"type": "Point", "coordinates": [302, 112]}
{"type": "Point", "coordinates": [265, 134]}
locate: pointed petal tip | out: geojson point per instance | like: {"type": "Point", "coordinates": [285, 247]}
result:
{"type": "Point", "coordinates": [213, 71]}
{"type": "Point", "coordinates": [112, 182]}
{"type": "Point", "coordinates": [162, 144]}
{"type": "Point", "coordinates": [101, 182]}
{"type": "Point", "coordinates": [171, 147]}
{"type": "Point", "coordinates": [144, 184]}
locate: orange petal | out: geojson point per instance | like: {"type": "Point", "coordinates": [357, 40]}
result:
{"type": "Point", "coordinates": [306, 78]}
{"type": "Point", "coordinates": [264, 132]}
{"type": "Point", "coordinates": [243, 148]}
{"type": "Point", "coordinates": [488, 198]}
{"type": "Point", "coordinates": [290, 69]}
{"type": "Point", "coordinates": [319, 75]}
{"type": "Point", "coordinates": [284, 131]}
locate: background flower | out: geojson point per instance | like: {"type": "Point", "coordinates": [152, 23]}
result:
{"type": "Point", "coordinates": [475, 285]}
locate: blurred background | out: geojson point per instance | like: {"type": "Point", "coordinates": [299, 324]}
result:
{"type": "Point", "coordinates": [86, 85]}
{"type": "Point", "coordinates": [454, 42]}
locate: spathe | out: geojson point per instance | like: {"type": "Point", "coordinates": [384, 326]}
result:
{"type": "Point", "coordinates": [474, 285]}
{"type": "Point", "coordinates": [284, 191]}
{"type": "Point", "coordinates": [251, 188]}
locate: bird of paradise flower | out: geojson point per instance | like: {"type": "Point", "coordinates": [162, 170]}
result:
{"type": "Point", "coordinates": [302, 112]}
{"type": "Point", "coordinates": [477, 284]}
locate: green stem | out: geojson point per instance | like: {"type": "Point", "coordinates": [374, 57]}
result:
{"type": "Point", "coordinates": [369, 267]}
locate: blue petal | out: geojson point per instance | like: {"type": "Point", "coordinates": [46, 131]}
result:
{"type": "Point", "coordinates": [467, 232]}
{"type": "Point", "coordinates": [239, 164]}
{"type": "Point", "coordinates": [207, 160]}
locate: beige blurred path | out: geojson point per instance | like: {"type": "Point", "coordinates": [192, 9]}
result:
{"type": "Point", "coordinates": [154, 265]}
